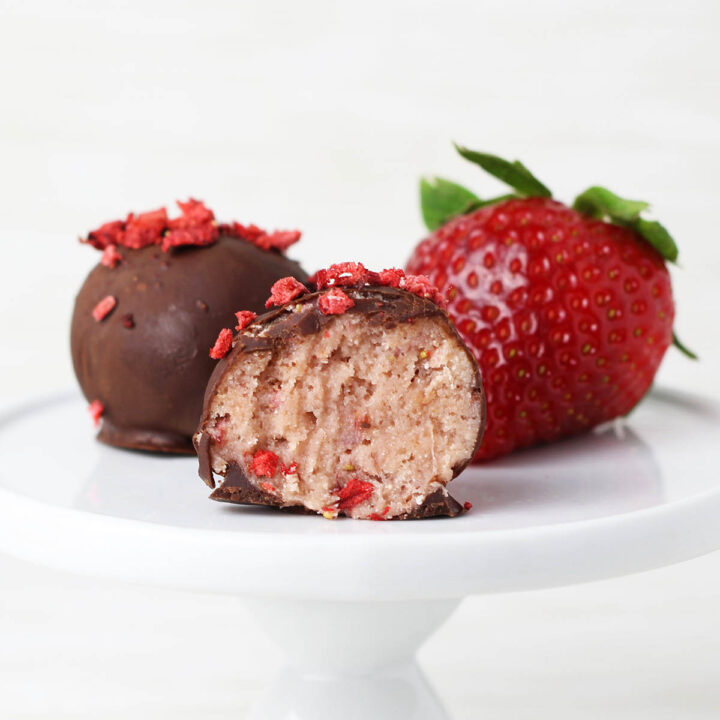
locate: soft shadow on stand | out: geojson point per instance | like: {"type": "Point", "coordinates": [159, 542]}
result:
{"type": "Point", "coordinates": [606, 472]}
{"type": "Point", "coordinates": [141, 485]}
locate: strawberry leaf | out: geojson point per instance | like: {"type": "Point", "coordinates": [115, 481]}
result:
{"type": "Point", "coordinates": [658, 237]}
{"type": "Point", "coordinates": [602, 204]}
{"type": "Point", "coordinates": [599, 202]}
{"type": "Point", "coordinates": [683, 348]}
{"type": "Point", "coordinates": [441, 200]}
{"type": "Point", "coordinates": [514, 174]}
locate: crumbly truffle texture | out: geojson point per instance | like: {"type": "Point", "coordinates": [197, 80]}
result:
{"type": "Point", "coordinates": [367, 413]}
{"type": "Point", "coordinates": [147, 359]}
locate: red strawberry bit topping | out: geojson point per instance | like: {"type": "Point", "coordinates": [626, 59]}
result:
{"type": "Point", "coordinates": [347, 274]}
{"type": "Point", "coordinates": [264, 463]}
{"type": "Point", "coordinates": [110, 233]}
{"type": "Point", "coordinates": [195, 226]}
{"type": "Point", "coordinates": [268, 487]}
{"type": "Point", "coordinates": [199, 236]}
{"type": "Point", "coordinates": [96, 409]}
{"type": "Point", "coordinates": [421, 286]}
{"type": "Point", "coordinates": [355, 492]}
{"type": "Point", "coordinates": [351, 274]}
{"type": "Point", "coordinates": [104, 308]}
{"type": "Point", "coordinates": [285, 290]}
{"type": "Point", "coordinates": [379, 516]}
{"type": "Point", "coordinates": [278, 239]}
{"type": "Point", "coordinates": [144, 229]}
{"type": "Point", "coordinates": [222, 345]}
{"type": "Point", "coordinates": [244, 318]}
{"type": "Point", "coordinates": [391, 277]}
{"type": "Point", "coordinates": [334, 302]}
{"type": "Point", "coordinates": [290, 469]}
{"type": "Point", "coordinates": [128, 321]}
{"type": "Point", "coordinates": [110, 257]}
{"type": "Point", "coordinates": [467, 505]}
{"type": "Point", "coordinates": [250, 233]}
{"type": "Point", "coordinates": [194, 214]}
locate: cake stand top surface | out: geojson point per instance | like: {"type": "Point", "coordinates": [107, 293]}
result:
{"type": "Point", "coordinates": [622, 499]}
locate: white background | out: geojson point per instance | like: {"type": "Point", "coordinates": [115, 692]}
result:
{"type": "Point", "coordinates": [322, 116]}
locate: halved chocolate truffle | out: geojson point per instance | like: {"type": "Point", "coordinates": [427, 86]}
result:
{"type": "Point", "coordinates": [358, 400]}
{"type": "Point", "coordinates": [148, 313]}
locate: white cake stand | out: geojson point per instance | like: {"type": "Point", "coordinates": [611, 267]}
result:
{"type": "Point", "coordinates": [350, 601]}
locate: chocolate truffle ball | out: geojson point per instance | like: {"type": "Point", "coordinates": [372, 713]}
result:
{"type": "Point", "coordinates": [146, 318]}
{"type": "Point", "coordinates": [359, 400]}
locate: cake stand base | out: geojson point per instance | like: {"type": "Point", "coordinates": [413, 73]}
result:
{"type": "Point", "coordinates": [350, 659]}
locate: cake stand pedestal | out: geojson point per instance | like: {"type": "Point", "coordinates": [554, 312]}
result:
{"type": "Point", "coordinates": [337, 651]}
{"type": "Point", "coordinates": [350, 602]}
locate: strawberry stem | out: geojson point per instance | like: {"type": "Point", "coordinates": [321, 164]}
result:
{"type": "Point", "coordinates": [683, 348]}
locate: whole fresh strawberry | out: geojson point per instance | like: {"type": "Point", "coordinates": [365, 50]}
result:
{"type": "Point", "coordinates": [569, 311]}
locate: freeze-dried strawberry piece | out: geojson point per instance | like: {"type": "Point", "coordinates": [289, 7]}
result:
{"type": "Point", "coordinates": [285, 290]}
{"type": "Point", "coordinates": [110, 257]}
{"type": "Point", "coordinates": [96, 409]}
{"type": "Point", "coordinates": [110, 233]}
{"type": "Point", "coordinates": [244, 318]}
{"type": "Point", "coordinates": [278, 239]}
{"type": "Point", "coordinates": [194, 213]}
{"type": "Point", "coordinates": [379, 516]}
{"type": "Point", "coordinates": [145, 229]}
{"type": "Point", "coordinates": [391, 277]}
{"type": "Point", "coordinates": [421, 286]}
{"type": "Point", "coordinates": [199, 235]}
{"type": "Point", "coordinates": [104, 308]}
{"type": "Point", "coordinates": [251, 232]}
{"type": "Point", "coordinates": [290, 469]}
{"type": "Point", "coordinates": [352, 274]}
{"type": "Point", "coordinates": [467, 505]}
{"type": "Point", "coordinates": [334, 302]}
{"type": "Point", "coordinates": [268, 487]}
{"type": "Point", "coordinates": [342, 274]}
{"type": "Point", "coordinates": [195, 226]}
{"type": "Point", "coordinates": [222, 345]}
{"type": "Point", "coordinates": [264, 463]}
{"type": "Point", "coordinates": [355, 492]}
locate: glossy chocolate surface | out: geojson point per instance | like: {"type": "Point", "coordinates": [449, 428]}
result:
{"type": "Point", "coordinates": [148, 361]}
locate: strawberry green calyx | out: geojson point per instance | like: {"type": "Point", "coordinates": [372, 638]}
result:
{"type": "Point", "coordinates": [441, 200]}
{"type": "Point", "coordinates": [602, 204]}
{"type": "Point", "coordinates": [514, 173]}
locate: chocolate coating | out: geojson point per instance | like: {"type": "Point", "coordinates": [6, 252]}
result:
{"type": "Point", "coordinates": [384, 306]}
{"type": "Point", "coordinates": [148, 360]}
{"type": "Point", "coordinates": [238, 490]}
